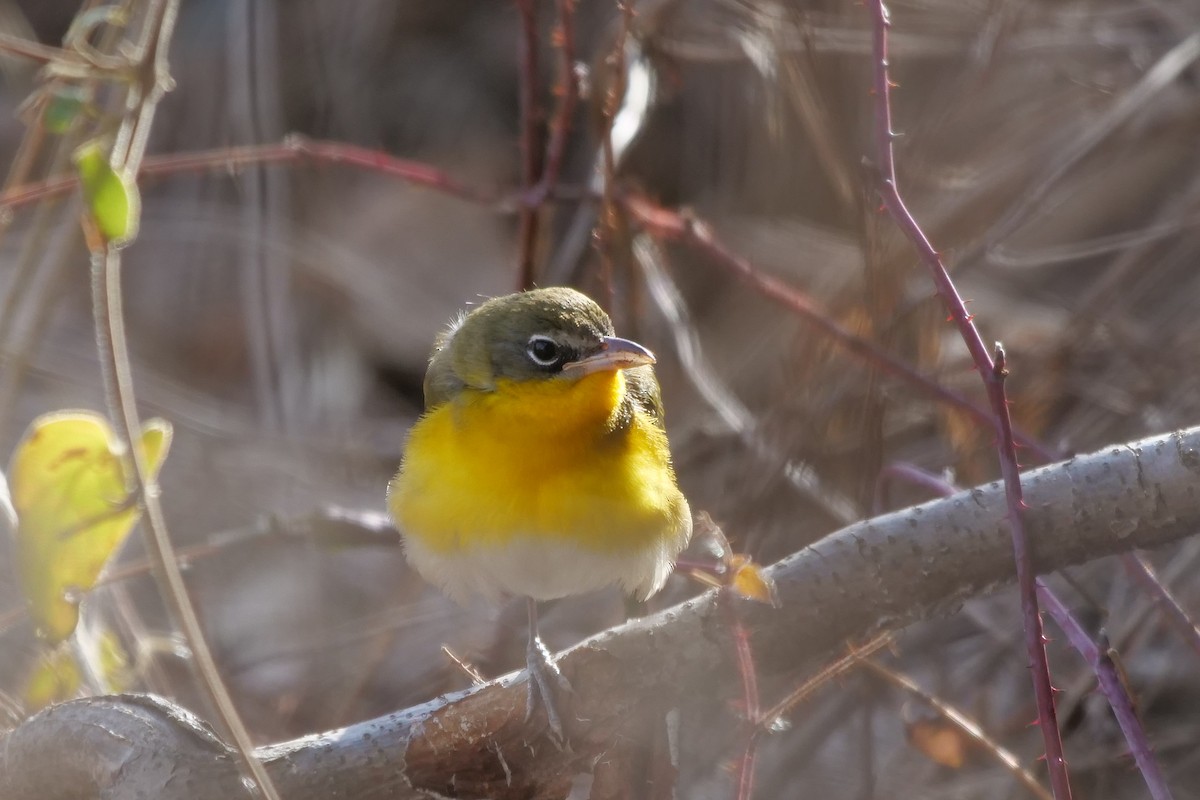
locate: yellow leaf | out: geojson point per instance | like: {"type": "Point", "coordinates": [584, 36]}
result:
{"type": "Point", "coordinates": [54, 679]}
{"type": "Point", "coordinates": [751, 582]}
{"type": "Point", "coordinates": [57, 676]}
{"type": "Point", "coordinates": [71, 487]}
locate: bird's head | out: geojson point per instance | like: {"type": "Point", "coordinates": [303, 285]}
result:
{"type": "Point", "coordinates": [554, 334]}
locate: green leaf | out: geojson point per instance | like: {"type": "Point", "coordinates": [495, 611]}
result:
{"type": "Point", "coordinates": [71, 487]}
{"type": "Point", "coordinates": [63, 107]}
{"type": "Point", "coordinates": [112, 197]}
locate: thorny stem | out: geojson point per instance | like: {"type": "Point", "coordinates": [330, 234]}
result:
{"type": "Point", "coordinates": [1114, 689]}
{"type": "Point", "coordinates": [1100, 661]}
{"type": "Point", "coordinates": [567, 91]}
{"type": "Point", "coordinates": [537, 190]}
{"type": "Point", "coordinates": [609, 225]}
{"type": "Point", "coordinates": [993, 373]}
{"type": "Point", "coordinates": [750, 698]}
{"type": "Point", "coordinates": [531, 125]}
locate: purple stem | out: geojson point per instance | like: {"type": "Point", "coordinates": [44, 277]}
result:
{"type": "Point", "coordinates": [1114, 690]}
{"type": "Point", "coordinates": [750, 697]}
{"type": "Point", "coordinates": [909, 473]}
{"type": "Point", "coordinates": [993, 374]}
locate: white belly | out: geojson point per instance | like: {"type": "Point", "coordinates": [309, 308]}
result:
{"type": "Point", "coordinates": [542, 568]}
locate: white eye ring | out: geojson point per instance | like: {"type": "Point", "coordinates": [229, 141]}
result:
{"type": "Point", "coordinates": [543, 351]}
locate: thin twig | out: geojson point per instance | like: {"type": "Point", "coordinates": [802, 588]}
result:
{"type": "Point", "coordinates": [965, 724]}
{"type": "Point", "coordinates": [723, 400]}
{"type": "Point", "coordinates": [855, 656]}
{"type": "Point", "coordinates": [115, 362]}
{"type": "Point", "coordinates": [993, 373]}
{"type": "Point", "coordinates": [567, 91]}
{"type": "Point", "coordinates": [762, 722]}
{"type": "Point", "coordinates": [112, 342]}
{"type": "Point", "coordinates": [685, 227]}
{"type": "Point", "coordinates": [36, 51]}
{"type": "Point", "coordinates": [1143, 574]}
{"type": "Point", "coordinates": [292, 149]}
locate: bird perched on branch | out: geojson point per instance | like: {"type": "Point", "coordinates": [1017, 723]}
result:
{"type": "Point", "coordinates": [540, 468]}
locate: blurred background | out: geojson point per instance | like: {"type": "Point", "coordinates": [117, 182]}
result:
{"type": "Point", "coordinates": [280, 318]}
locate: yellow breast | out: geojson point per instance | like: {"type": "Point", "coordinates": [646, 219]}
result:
{"type": "Point", "coordinates": [538, 459]}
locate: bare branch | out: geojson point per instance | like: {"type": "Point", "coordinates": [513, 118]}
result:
{"type": "Point", "coordinates": [876, 575]}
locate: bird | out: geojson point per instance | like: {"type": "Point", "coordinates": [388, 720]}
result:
{"type": "Point", "coordinates": [540, 468]}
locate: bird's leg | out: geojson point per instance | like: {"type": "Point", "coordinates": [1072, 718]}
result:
{"type": "Point", "coordinates": [545, 678]}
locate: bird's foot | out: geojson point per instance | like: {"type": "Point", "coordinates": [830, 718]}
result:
{"type": "Point", "coordinates": [545, 680]}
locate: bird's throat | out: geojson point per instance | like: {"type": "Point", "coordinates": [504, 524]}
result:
{"type": "Point", "coordinates": [548, 409]}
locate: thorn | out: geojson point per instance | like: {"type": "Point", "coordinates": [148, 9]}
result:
{"type": "Point", "coordinates": [970, 317]}
{"type": "Point", "coordinates": [892, 84]}
{"type": "Point", "coordinates": [1022, 504]}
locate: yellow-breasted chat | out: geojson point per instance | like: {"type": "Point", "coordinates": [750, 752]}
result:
{"type": "Point", "coordinates": [540, 468]}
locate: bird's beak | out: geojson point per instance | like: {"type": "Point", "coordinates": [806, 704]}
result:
{"type": "Point", "coordinates": [614, 354]}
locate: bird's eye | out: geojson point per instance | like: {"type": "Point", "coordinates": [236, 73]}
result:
{"type": "Point", "coordinates": [544, 351]}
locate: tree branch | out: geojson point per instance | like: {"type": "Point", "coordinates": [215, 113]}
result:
{"type": "Point", "coordinates": [880, 574]}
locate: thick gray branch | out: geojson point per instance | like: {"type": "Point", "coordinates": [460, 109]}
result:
{"type": "Point", "coordinates": [879, 574]}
